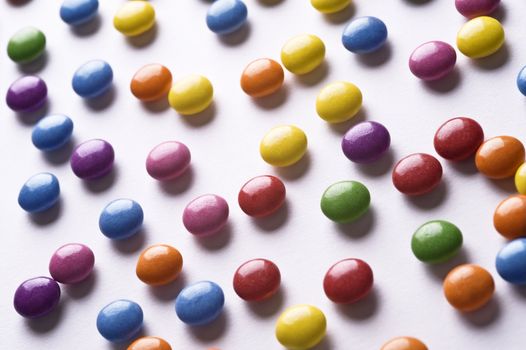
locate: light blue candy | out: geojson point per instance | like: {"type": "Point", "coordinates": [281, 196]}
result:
{"type": "Point", "coordinates": [364, 35]}
{"type": "Point", "coordinates": [226, 16]}
{"type": "Point", "coordinates": [120, 320]}
{"type": "Point", "coordinates": [92, 79]}
{"type": "Point", "coordinates": [511, 261]}
{"type": "Point", "coordinates": [39, 193]}
{"type": "Point", "coordinates": [76, 12]}
{"type": "Point", "coordinates": [521, 81]}
{"type": "Point", "coordinates": [121, 219]}
{"type": "Point", "coordinates": [200, 303]}
{"type": "Point", "coordinates": [52, 132]}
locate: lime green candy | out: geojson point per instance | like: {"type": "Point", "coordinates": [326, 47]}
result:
{"type": "Point", "coordinates": [26, 45]}
{"type": "Point", "coordinates": [436, 241]}
{"type": "Point", "coordinates": [345, 201]}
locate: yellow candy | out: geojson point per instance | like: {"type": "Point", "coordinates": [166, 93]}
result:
{"type": "Point", "coordinates": [520, 179]}
{"type": "Point", "coordinates": [283, 145]}
{"type": "Point", "coordinates": [330, 6]}
{"type": "Point", "coordinates": [191, 95]}
{"type": "Point", "coordinates": [134, 18]}
{"type": "Point", "coordinates": [303, 53]}
{"type": "Point", "coordinates": [338, 102]}
{"type": "Point", "coordinates": [301, 327]}
{"type": "Point", "coordinates": [480, 37]}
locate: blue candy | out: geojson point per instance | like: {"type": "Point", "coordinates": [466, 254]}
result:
{"type": "Point", "coordinates": [92, 79]}
{"type": "Point", "coordinates": [364, 35]}
{"type": "Point", "coordinates": [120, 320]}
{"type": "Point", "coordinates": [39, 193]}
{"type": "Point", "coordinates": [52, 132]}
{"type": "Point", "coordinates": [521, 81]}
{"type": "Point", "coordinates": [76, 12]}
{"type": "Point", "coordinates": [511, 261]}
{"type": "Point", "coordinates": [200, 303]}
{"type": "Point", "coordinates": [121, 219]}
{"type": "Point", "coordinates": [226, 16]}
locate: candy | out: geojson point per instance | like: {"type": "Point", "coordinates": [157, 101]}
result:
{"type": "Point", "coordinates": [92, 159]}
{"type": "Point", "coordinates": [149, 343]}
{"type": "Point", "coordinates": [520, 179]}
{"type": "Point", "coordinates": [468, 287]}
{"type": "Point", "coordinates": [257, 280]}
{"type": "Point", "coordinates": [76, 12]}
{"type": "Point", "coordinates": [262, 77]}
{"type": "Point", "coordinates": [26, 45]}
{"type": "Point", "coordinates": [283, 145]}
{"type": "Point", "coordinates": [92, 79]}
{"type": "Point", "coordinates": [205, 215]}
{"type": "Point", "coordinates": [500, 157]}
{"type": "Point", "coordinates": [159, 264]}
{"type": "Point", "coordinates": [458, 138]}
{"type": "Point", "coordinates": [151, 82]}
{"type": "Point", "coordinates": [121, 218]}
{"type": "Point", "coordinates": [261, 195]}
{"type": "Point", "coordinates": [511, 262]}
{"type": "Point", "coordinates": [303, 53]}
{"type": "Point", "coordinates": [52, 132]}
{"type": "Point", "coordinates": [26, 94]}
{"type": "Point", "coordinates": [301, 327]}
{"type": "Point", "coordinates": [436, 241]}
{"type": "Point", "coordinates": [134, 18]}
{"type": "Point", "coordinates": [521, 81]}
{"type": "Point", "coordinates": [39, 193]}
{"type": "Point", "coordinates": [71, 263]}
{"type": "Point", "coordinates": [432, 60]}
{"type": "Point", "coordinates": [226, 16]}
{"type": "Point", "coordinates": [191, 95]}
{"type": "Point", "coordinates": [404, 343]}
{"type": "Point", "coordinates": [330, 6]}
{"type": "Point", "coordinates": [366, 142]}
{"type": "Point", "coordinates": [348, 281]}
{"type": "Point", "coordinates": [417, 174]}
{"type": "Point", "coordinates": [168, 160]}
{"type": "Point", "coordinates": [480, 37]}
{"type": "Point", "coordinates": [345, 201]}
{"type": "Point", "coordinates": [200, 303]}
{"type": "Point", "coordinates": [36, 297]}
{"type": "Point", "coordinates": [120, 320]}
{"type": "Point", "coordinates": [338, 102]}
{"type": "Point", "coordinates": [508, 218]}
{"type": "Point", "coordinates": [476, 8]}
{"type": "Point", "coordinates": [364, 35]}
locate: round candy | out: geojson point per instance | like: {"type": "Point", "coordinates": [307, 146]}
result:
{"type": "Point", "coordinates": [76, 12]}
{"type": "Point", "coordinates": [345, 201]}
{"type": "Point", "coordinates": [92, 159]}
{"type": "Point", "coordinates": [26, 94]}
{"type": "Point", "coordinates": [191, 95]}
{"type": "Point", "coordinates": [480, 37]}
{"type": "Point", "coordinates": [205, 215]}
{"type": "Point", "coordinates": [417, 174]}
{"type": "Point", "coordinates": [120, 321]}
{"type": "Point", "coordinates": [338, 102]}
{"type": "Point", "coordinates": [71, 263]}
{"type": "Point", "coordinates": [159, 264]}
{"type": "Point", "coordinates": [509, 218]}
{"type": "Point", "coordinates": [121, 218]}
{"type": "Point", "coordinates": [301, 327]}
{"type": "Point", "coordinates": [436, 241]}
{"type": "Point", "coordinates": [283, 145]}
{"type": "Point", "coordinates": [149, 343]}
{"type": "Point", "coordinates": [432, 60]}
{"type": "Point", "coordinates": [348, 281]}
{"type": "Point", "coordinates": [521, 81]}
{"type": "Point", "coordinates": [366, 142]}
{"type": "Point", "coordinates": [458, 138]}
{"type": "Point", "coordinates": [511, 262]}
{"type": "Point", "coordinates": [468, 287]}
{"type": "Point", "coordinates": [364, 35]}
{"type": "Point", "coordinates": [476, 8]}
{"type": "Point", "coordinates": [200, 303]}
{"type": "Point", "coordinates": [52, 132]}
{"type": "Point", "coordinates": [500, 157]}
{"type": "Point", "coordinates": [26, 45]}
{"type": "Point", "coordinates": [330, 6]}
{"type": "Point", "coordinates": [36, 297]}
{"type": "Point", "coordinates": [257, 280]}
{"type": "Point", "coordinates": [303, 53]}
{"type": "Point", "coordinates": [404, 343]}
{"type": "Point", "coordinates": [151, 82]}
{"type": "Point", "coordinates": [134, 18]}
{"type": "Point", "coordinates": [261, 195]}
{"type": "Point", "coordinates": [262, 77]}
{"type": "Point", "coordinates": [226, 16]}
{"type": "Point", "coordinates": [520, 179]}
{"type": "Point", "coordinates": [168, 160]}
{"type": "Point", "coordinates": [39, 193]}
{"type": "Point", "coordinates": [92, 79]}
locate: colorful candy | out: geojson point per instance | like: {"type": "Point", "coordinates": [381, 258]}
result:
{"type": "Point", "coordinates": [520, 179]}
{"type": "Point", "coordinates": [77, 12]}
{"type": "Point", "coordinates": [256, 280]}
{"type": "Point", "coordinates": [26, 94]}
{"type": "Point", "coordinates": [338, 102]}
{"type": "Point", "coordinates": [159, 264]}
{"type": "Point", "coordinates": [432, 60]}
{"type": "Point", "coordinates": [200, 303]}
{"type": "Point", "coordinates": [120, 320]}
{"type": "Point", "coordinates": [301, 327]}
{"type": "Point", "coordinates": [404, 343]}
{"type": "Point", "coordinates": [206, 215]}
{"type": "Point", "coordinates": [458, 138]}
{"type": "Point", "coordinates": [191, 95]}
{"type": "Point", "coordinates": [345, 201]}
{"type": "Point", "coordinates": [509, 217]}
{"type": "Point", "coordinates": [121, 218]}
{"type": "Point", "coordinates": [261, 195]}
{"type": "Point", "coordinates": [39, 193]}
{"type": "Point", "coordinates": [417, 174]}
{"type": "Point", "coordinates": [92, 79]}
{"type": "Point", "coordinates": [36, 297]}
{"type": "Point", "coordinates": [92, 159]}
{"type": "Point", "coordinates": [468, 287]}
{"type": "Point", "coordinates": [262, 77]}
{"type": "Point", "coordinates": [52, 132]}
{"type": "Point", "coordinates": [151, 82]}
{"type": "Point", "coordinates": [134, 18]}
{"type": "Point", "coordinates": [283, 145]}
{"type": "Point", "coordinates": [149, 343]}
{"type": "Point", "coordinates": [366, 142]}
{"type": "Point", "coordinates": [521, 81]}
{"type": "Point", "coordinates": [226, 16]}
{"type": "Point", "coordinates": [168, 160]}
{"type": "Point", "coordinates": [329, 6]}
{"type": "Point", "coordinates": [480, 37]}
{"type": "Point", "coordinates": [72, 263]}
{"type": "Point", "coordinates": [511, 262]}
{"type": "Point", "coordinates": [364, 35]}
{"type": "Point", "coordinates": [303, 53]}
{"type": "Point", "coordinates": [500, 157]}
{"type": "Point", "coordinates": [26, 45]}
{"type": "Point", "coordinates": [348, 281]}
{"type": "Point", "coordinates": [436, 241]}
{"type": "Point", "coordinates": [476, 8]}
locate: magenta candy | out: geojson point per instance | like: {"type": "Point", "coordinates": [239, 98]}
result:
{"type": "Point", "coordinates": [366, 142]}
{"type": "Point", "coordinates": [92, 159]}
{"type": "Point", "coordinates": [168, 160]}
{"type": "Point", "coordinates": [26, 94]}
{"type": "Point", "coordinates": [71, 263]}
{"type": "Point", "coordinates": [36, 297]}
{"type": "Point", "coordinates": [432, 60]}
{"type": "Point", "coordinates": [205, 215]}
{"type": "Point", "coordinates": [476, 8]}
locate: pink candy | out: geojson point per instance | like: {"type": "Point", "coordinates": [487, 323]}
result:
{"type": "Point", "coordinates": [168, 160]}
{"type": "Point", "coordinates": [432, 60]}
{"type": "Point", "coordinates": [476, 8]}
{"type": "Point", "coordinates": [205, 215]}
{"type": "Point", "coordinates": [71, 263]}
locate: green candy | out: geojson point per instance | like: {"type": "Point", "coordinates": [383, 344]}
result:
{"type": "Point", "coordinates": [26, 45]}
{"type": "Point", "coordinates": [345, 201]}
{"type": "Point", "coordinates": [436, 241]}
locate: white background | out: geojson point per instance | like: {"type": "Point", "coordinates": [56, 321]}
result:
{"type": "Point", "coordinates": [407, 297]}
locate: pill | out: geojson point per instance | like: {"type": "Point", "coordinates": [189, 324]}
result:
{"type": "Point", "coordinates": [120, 320]}
{"type": "Point", "coordinates": [191, 95]}
{"type": "Point", "coordinates": [330, 6]}
{"type": "Point", "coordinates": [77, 12]}
{"type": "Point", "coordinates": [205, 215]}
{"type": "Point", "coordinates": [26, 94]}
{"type": "Point", "coordinates": [366, 142]}
{"type": "Point", "coordinates": [404, 343]}
{"type": "Point", "coordinates": [72, 263]}
{"type": "Point", "coordinates": [256, 280]}
{"type": "Point", "coordinates": [348, 281]}
{"type": "Point", "coordinates": [26, 45]}
{"type": "Point", "coordinates": [151, 82]}
{"type": "Point", "coordinates": [168, 160]}
{"type": "Point", "coordinates": [261, 195]}
{"type": "Point", "coordinates": [39, 193]}
{"type": "Point", "coordinates": [468, 287]}
{"type": "Point", "coordinates": [52, 132]}
{"type": "Point", "coordinates": [511, 262]}
{"type": "Point", "coordinates": [476, 8]}
{"type": "Point", "coordinates": [36, 297]}
{"type": "Point", "coordinates": [480, 37]}
{"type": "Point", "coordinates": [159, 264]}
{"type": "Point", "coordinates": [303, 53]}
{"type": "Point", "coordinates": [134, 17]}
{"type": "Point", "coordinates": [262, 77]}
{"type": "Point", "coordinates": [500, 157]}
{"type": "Point", "coordinates": [283, 145]}
{"type": "Point", "coordinates": [200, 303]}
{"type": "Point", "coordinates": [338, 102]}
{"type": "Point", "coordinates": [417, 174]}
{"type": "Point", "coordinates": [509, 217]}
{"type": "Point", "coordinates": [458, 138]}
{"type": "Point", "coordinates": [301, 327]}
{"type": "Point", "coordinates": [92, 79]}
{"type": "Point", "coordinates": [121, 218]}
{"type": "Point", "coordinates": [521, 81]}
{"type": "Point", "coordinates": [432, 60]}
{"type": "Point", "coordinates": [364, 35]}
{"type": "Point", "coordinates": [92, 159]}
{"type": "Point", "coordinates": [520, 179]}
{"type": "Point", "coordinates": [436, 241]}
{"type": "Point", "coordinates": [345, 201]}
{"type": "Point", "coordinates": [149, 343]}
{"type": "Point", "coordinates": [226, 16]}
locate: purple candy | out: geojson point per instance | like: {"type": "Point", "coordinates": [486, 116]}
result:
{"type": "Point", "coordinates": [476, 8]}
{"type": "Point", "coordinates": [205, 215]}
{"type": "Point", "coordinates": [432, 60]}
{"type": "Point", "coordinates": [92, 159]}
{"type": "Point", "coordinates": [366, 142]}
{"type": "Point", "coordinates": [26, 94]}
{"type": "Point", "coordinates": [71, 263]}
{"type": "Point", "coordinates": [36, 297]}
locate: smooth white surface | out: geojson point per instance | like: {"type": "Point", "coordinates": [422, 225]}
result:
{"type": "Point", "coordinates": [407, 297]}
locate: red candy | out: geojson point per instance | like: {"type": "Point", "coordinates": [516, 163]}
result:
{"type": "Point", "coordinates": [262, 195]}
{"type": "Point", "coordinates": [256, 280]}
{"type": "Point", "coordinates": [348, 281]}
{"type": "Point", "coordinates": [458, 138]}
{"type": "Point", "coordinates": [417, 174]}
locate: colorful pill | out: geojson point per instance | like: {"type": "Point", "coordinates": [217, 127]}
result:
{"type": "Point", "coordinates": [149, 343]}
{"type": "Point", "coordinates": [26, 94]}
{"type": "Point", "coordinates": [521, 81]}
{"type": "Point", "coordinates": [52, 132]}
{"type": "Point", "coordinates": [348, 281]}
{"type": "Point", "coordinates": [200, 303]}
{"type": "Point", "coordinates": [77, 12]}
{"type": "Point", "coordinates": [458, 138]}
{"type": "Point", "coordinates": [301, 327]}
{"type": "Point", "coordinates": [226, 16]}
{"type": "Point", "coordinates": [72, 263]}
{"type": "Point", "coordinates": [159, 264]}
{"type": "Point", "coordinates": [338, 102]}
{"type": "Point", "coordinates": [509, 217]}
{"type": "Point", "coordinates": [366, 142]}
{"type": "Point", "coordinates": [134, 18]}
{"type": "Point", "coordinates": [520, 179]}
{"type": "Point", "coordinates": [92, 79]}
{"type": "Point", "coordinates": [151, 82]}
{"type": "Point", "coordinates": [511, 262]}
{"type": "Point", "coordinates": [417, 174]}
{"type": "Point", "coordinates": [26, 45]}
{"type": "Point", "coordinates": [476, 8]}
{"type": "Point", "coordinates": [432, 60]}
{"type": "Point", "coordinates": [92, 159]}
{"type": "Point", "coordinates": [206, 215]}
{"type": "Point", "coordinates": [330, 6]}
{"type": "Point", "coordinates": [36, 297]}
{"type": "Point", "coordinates": [480, 37]}
{"type": "Point", "coordinates": [39, 193]}
{"type": "Point", "coordinates": [191, 95]}
{"type": "Point", "coordinates": [283, 145]}
{"type": "Point", "coordinates": [121, 219]}
{"type": "Point", "coordinates": [345, 201]}
{"type": "Point", "coordinates": [500, 157]}
{"type": "Point", "coordinates": [168, 160]}
{"type": "Point", "coordinates": [261, 196]}
{"type": "Point", "coordinates": [404, 343]}
{"type": "Point", "coordinates": [120, 321]}
{"type": "Point", "coordinates": [364, 35]}
{"type": "Point", "coordinates": [436, 241]}
{"type": "Point", "coordinates": [303, 53]}
{"type": "Point", "coordinates": [256, 280]}
{"type": "Point", "coordinates": [262, 77]}
{"type": "Point", "coordinates": [468, 287]}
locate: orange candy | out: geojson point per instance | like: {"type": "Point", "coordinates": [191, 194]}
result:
{"type": "Point", "coordinates": [500, 157]}
{"type": "Point", "coordinates": [468, 287]}
{"type": "Point", "coordinates": [151, 82]}
{"type": "Point", "coordinates": [159, 264]}
{"type": "Point", "coordinates": [262, 77]}
{"type": "Point", "coordinates": [404, 343]}
{"type": "Point", "coordinates": [149, 343]}
{"type": "Point", "coordinates": [509, 218]}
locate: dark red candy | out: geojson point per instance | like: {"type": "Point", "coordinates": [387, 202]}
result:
{"type": "Point", "coordinates": [348, 281]}
{"type": "Point", "coordinates": [256, 280]}
{"type": "Point", "coordinates": [262, 195]}
{"type": "Point", "coordinates": [458, 138]}
{"type": "Point", "coordinates": [417, 174]}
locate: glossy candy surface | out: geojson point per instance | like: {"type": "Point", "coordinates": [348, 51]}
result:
{"type": "Point", "coordinates": [458, 138]}
{"type": "Point", "coordinates": [200, 303]}
{"type": "Point", "coordinates": [338, 102]}
{"type": "Point", "coordinates": [120, 320]}
{"type": "Point", "coordinates": [468, 287]}
{"type": "Point", "coordinates": [500, 157]}
{"type": "Point", "coordinates": [134, 17]}
{"type": "Point", "coordinates": [283, 145]}
{"type": "Point", "coordinates": [77, 12]}
{"type": "Point", "coordinates": [262, 77]}
{"type": "Point", "coordinates": [92, 159]}
{"type": "Point", "coordinates": [36, 297]}
{"type": "Point", "coordinates": [364, 35]}
{"type": "Point", "coordinates": [303, 53]}
{"type": "Point", "coordinates": [191, 95]}
{"type": "Point", "coordinates": [345, 201]}
{"type": "Point", "coordinates": [432, 60]}
{"type": "Point", "coordinates": [520, 179]}
{"type": "Point", "coordinates": [436, 241]}
{"type": "Point", "coordinates": [417, 174]}
{"type": "Point", "coordinates": [404, 343]}
{"type": "Point", "coordinates": [330, 6]}
{"type": "Point", "coordinates": [480, 37]}
{"type": "Point", "coordinates": [301, 327]}
{"type": "Point", "coordinates": [206, 215]}
{"type": "Point", "coordinates": [159, 264]}
{"type": "Point", "coordinates": [151, 82]}
{"type": "Point", "coordinates": [52, 132]}
{"type": "Point", "coordinates": [348, 281]}
{"type": "Point", "coordinates": [26, 94]}
{"type": "Point", "coordinates": [71, 263]}
{"type": "Point", "coordinates": [261, 195]}
{"type": "Point", "coordinates": [509, 218]}
{"type": "Point", "coordinates": [40, 192]}
{"type": "Point", "coordinates": [521, 81]}
{"type": "Point", "coordinates": [366, 142]}
{"type": "Point", "coordinates": [26, 45]}
{"type": "Point", "coordinates": [92, 79]}
{"type": "Point", "coordinates": [121, 218]}
{"type": "Point", "coordinates": [511, 262]}
{"type": "Point", "coordinates": [257, 280]}
{"type": "Point", "coordinates": [168, 160]}
{"type": "Point", "coordinates": [476, 8]}
{"type": "Point", "coordinates": [149, 343]}
{"type": "Point", "coordinates": [226, 16]}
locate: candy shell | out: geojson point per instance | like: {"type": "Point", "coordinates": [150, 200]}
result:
{"type": "Point", "coordinates": [303, 53]}
{"type": "Point", "coordinates": [338, 102]}
{"type": "Point", "coordinates": [134, 17]}
{"type": "Point", "coordinates": [476, 8]}
{"type": "Point", "coordinates": [205, 215]}
{"type": "Point", "coordinates": [283, 145]}
{"type": "Point", "coordinates": [520, 179]}
{"type": "Point", "coordinates": [151, 82]}
{"type": "Point", "coordinates": [92, 79]}
{"type": "Point", "coordinates": [436, 241]}
{"type": "Point", "coordinates": [364, 35]}
{"type": "Point", "coordinates": [261, 196]}
{"type": "Point", "coordinates": [77, 12]}
{"type": "Point", "coordinates": [500, 157]}
{"type": "Point", "coordinates": [432, 60]}
{"type": "Point", "coordinates": [256, 280]}
{"type": "Point", "coordinates": [72, 263]}
{"type": "Point", "coordinates": [168, 160]}
{"type": "Point", "coordinates": [468, 287]}
{"type": "Point", "coordinates": [262, 77]}
{"type": "Point", "coordinates": [191, 95]}
{"type": "Point", "coordinates": [521, 81]}
{"type": "Point", "coordinates": [26, 45]}
{"type": "Point", "coordinates": [26, 94]}
{"type": "Point", "coordinates": [226, 16]}
{"type": "Point", "coordinates": [417, 174]}
{"type": "Point", "coordinates": [366, 142]}
{"type": "Point", "coordinates": [301, 327]}
{"type": "Point", "coordinates": [121, 219]}
{"type": "Point", "coordinates": [39, 193]}
{"type": "Point", "coordinates": [458, 138]}
{"type": "Point", "coordinates": [52, 132]}
{"type": "Point", "coordinates": [120, 320]}
{"type": "Point", "coordinates": [159, 264]}
{"type": "Point", "coordinates": [509, 217]}
{"type": "Point", "coordinates": [345, 201]}
{"type": "Point", "coordinates": [149, 343]}
{"type": "Point", "coordinates": [36, 297]}
{"type": "Point", "coordinates": [200, 303]}
{"type": "Point", "coordinates": [348, 281]}
{"type": "Point", "coordinates": [92, 159]}
{"type": "Point", "coordinates": [330, 6]}
{"type": "Point", "coordinates": [480, 37]}
{"type": "Point", "coordinates": [511, 262]}
{"type": "Point", "coordinates": [404, 343]}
